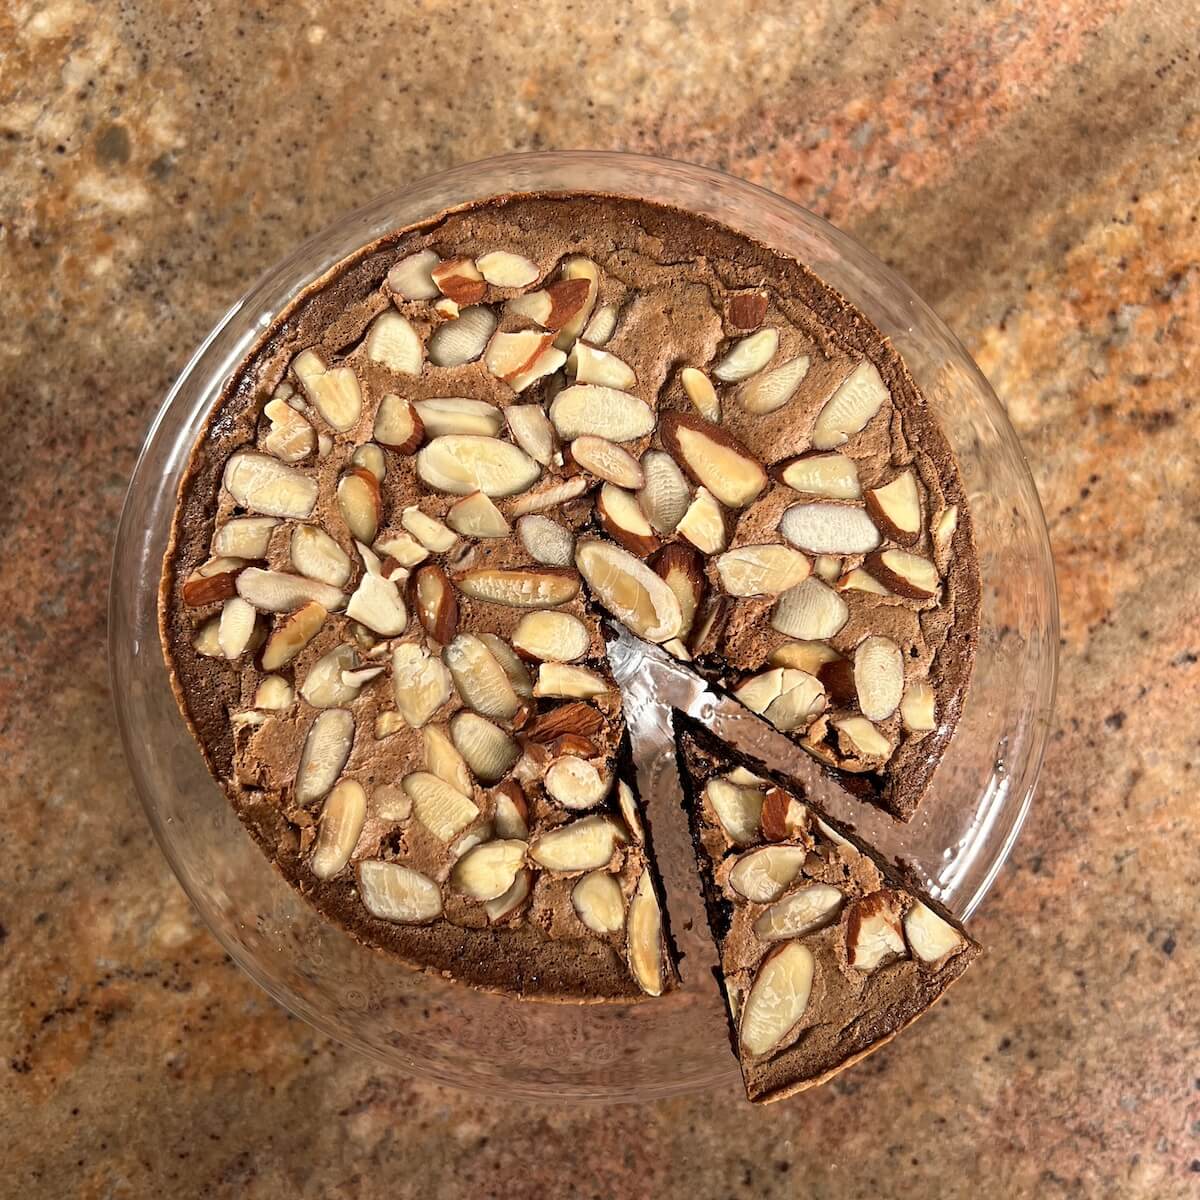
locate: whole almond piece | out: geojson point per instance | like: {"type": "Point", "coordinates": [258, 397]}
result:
{"type": "Point", "coordinates": [905, 574]}
{"type": "Point", "coordinates": [554, 305]}
{"type": "Point", "coordinates": [442, 810]}
{"type": "Point", "coordinates": [598, 902]}
{"type": "Point", "coordinates": [546, 541]}
{"type": "Point", "coordinates": [878, 677]}
{"type": "Point", "coordinates": [291, 437]}
{"type": "Point", "coordinates": [823, 528]}
{"type": "Point", "coordinates": [770, 391]}
{"type": "Point", "coordinates": [810, 610]}
{"type": "Point", "coordinates": [873, 931]}
{"type": "Point", "coordinates": [542, 587]}
{"type": "Point", "coordinates": [551, 636]}
{"type": "Point", "coordinates": [276, 591]}
{"type": "Point", "coordinates": [763, 875]}
{"type": "Point", "coordinates": [236, 627]}
{"type": "Point", "coordinates": [704, 524]}
{"type": "Point", "coordinates": [764, 570]}
{"type": "Point", "coordinates": [601, 412]}
{"type": "Point", "coordinates": [599, 366]}
{"type": "Point", "coordinates": [643, 937]}
{"type": "Point", "coordinates": [333, 391]}
{"type": "Point", "coordinates": [488, 750]}
{"type": "Point", "coordinates": [832, 475]}
{"type": "Point", "coordinates": [621, 517]}
{"type": "Point", "coordinates": [315, 554]}
{"type": "Point", "coordinates": [421, 684]}
{"type": "Point", "coordinates": [503, 268]}
{"type": "Point", "coordinates": [480, 679]}
{"type": "Point", "coordinates": [477, 516]}
{"type": "Point", "coordinates": [701, 393]}
{"type": "Point", "coordinates": [291, 635]}
{"type": "Point", "coordinates": [244, 537]}
{"type": "Point", "coordinates": [586, 844]}
{"type": "Point", "coordinates": [443, 759]}
{"type": "Point", "coordinates": [532, 431]}
{"type": "Point", "coordinates": [486, 872]}
{"type": "Point", "coordinates": [748, 356]}
{"type": "Point", "coordinates": [360, 503]}
{"type": "Point", "coordinates": [457, 414]}
{"type": "Point", "coordinates": [574, 268]}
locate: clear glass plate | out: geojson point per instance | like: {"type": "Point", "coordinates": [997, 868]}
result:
{"type": "Point", "coordinates": [428, 1026]}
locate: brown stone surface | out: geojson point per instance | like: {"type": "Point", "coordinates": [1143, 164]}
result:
{"type": "Point", "coordinates": [1030, 168]}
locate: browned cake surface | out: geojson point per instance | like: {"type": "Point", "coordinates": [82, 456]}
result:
{"type": "Point", "coordinates": [856, 606]}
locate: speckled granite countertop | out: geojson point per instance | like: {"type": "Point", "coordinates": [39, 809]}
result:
{"type": "Point", "coordinates": [1031, 168]}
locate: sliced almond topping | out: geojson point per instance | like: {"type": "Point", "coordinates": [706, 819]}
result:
{"type": "Point", "coordinates": [421, 683]}
{"type": "Point", "coordinates": [701, 393]}
{"type": "Point", "coordinates": [810, 610]}
{"type": "Point", "coordinates": [435, 603]}
{"type": "Point", "coordinates": [827, 567]}
{"type": "Point", "coordinates": [397, 425]}
{"type": "Point", "coordinates": [532, 431]}
{"type": "Point", "coordinates": [394, 892]}
{"type": "Point", "coordinates": [706, 630]}
{"type": "Point", "coordinates": [236, 627]}
{"type": "Point", "coordinates": [543, 364]}
{"type": "Point", "coordinates": [359, 503]}
{"type": "Point", "coordinates": [333, 391]}
{"type": "Point", "coordinates": [576, 784]}
{"type": "Point", "coordinates": [665, 494]}
{"type": "Point", "coordinates": [275, 591]}
{"type": "Point", "coordinates": [388, 723]}
{"type": "Point", "coordinates": [746, 310]}
{"type": "Point", "coordinates": [488, 871]}
{"type": "Point", "coordinates": [551, 636]}
{"type": "Point", "coordinates": [456, 414]}
{"type": "Point", "coordinates": [543, 587]}
{"type": "Point", "coordinates": [265, 485]}
{"type": "Point", "coordinates": [429, 531]}
{"type": "Point", "coordinates": [325, 685]}
{"type": "Point", "coordinates": [606, 460]}
{"type": "Point", "coordinates": [292, 437]}
{"type": "Point", "coordinates": [621, 517]}
{"type": "Point", "coordinates": [627, 803]}
{"type": "Point", "coordinates": [878, 677]}
{"type": "Point", "coordinates": [763, 875]}
{"type": "Point", "coordinates": [837, 678]}
{"type": "Point", "coordinates": [744, 777]}
{"type": "Point", "coordinates": [511, 817]}
{"type": "Point", "coordinates": [510, 661]}
{"type": "Point", "coordinates": [476, 516]}
{"type": "Point", "coordinates": [202, 589]}
{"type": "Point", "coordinates": [509, 355]}
{"type": "Point", "coordinates": [447, 309]}
{"type": "Point", "coordinates": [704, 523]}
{"type": "Point", "coordinates": [480, 679]}
{"type": "Point", "coordinates": [771, 390]}
{"type": "Point", "coordinates": [315, 554]}
{"type": "Point", "coordinates": [896, 508]}
{"type": "Point", "coordinates": [442, 810]}
{"type": "Point", "coordinates": [859, 581]}
{"type": "Point", "coordinates": [601, 412]}
{"type": "Point", "coordinates": [943, 530]}
{"type": "Point", "coordinates": [581, 719]}
{"type": "Point", "coordinates": [369, 456]}
{"type": "Point", "coordinates": [463, 339]}
{"type": "Point", "coordinates": [680, 568]}
{"type": "Point", "coordinates": [505, 906]}
{"type": "Point", "coordinates": [342, 820]}
{"type": "Point", "coordinates": [829, 529]}
{"type": "Point", "coordinates": [860, 396]}
{"type": "Point", "coordinates": [598, 902]}
{"type": "Point", "coordinates": [933, 939]}
{"type": "Point", "coordinates": [862, 740]}
{"type": "Point", "coordinates": [803, 912]}
{"type": "Point", "coordinates": [502, 268]}
{"type": "Point", "coordinates": [630, 590]}
{"type": "Point", "coordinates": [274, 692]}
{"type": "Point", "coordinates": [602, 326]}
{"type": "Point", "coordinates": [292, 634]}
{"type": "Point", "coordinates": [783, 816]}
{"type": "Point", "coordinates": [443, 760]}
{"type": "Point", "coordinates": [776, 1003]}
{"type": "Point", "coordinates": [737, 807]}
{"type": "Point", "coordinates": [489, 751]}
{"type": "Point", "coordinates": [713, 458]}
{"type": "Point", "coordinates": [546, 541]}
{"type": "Point", "coordinates": [799, 703]}
{"type": "Point", "coordinates": [643, 937]}
{"type": "Point", "coordinates": [460, 280]}
{"type": "Point", "coordinates": [578, 267]}
{"type": "Point", "coordinates": [586, 844]}
{"type": "Point", "coordinates": [554, 305]}
{"type": "Point", "coordinates": [244, 537]}
{"type": "Point", "coordinates": [748, 356]}
{"type": "Point", "coordinates": [403, 549]}
{"type": "Point", "coordinates": [907, 575]}
{"type": "Point", "coordinates": [831, 475]}
{"type": "Point", "coordinates": [464, 463]}
{"type": "Point", "coordinates": [378, 605]}
{"type": "Point", "coordinates": [575, 683]}
{"type": "Point", "coordinates": [394, 343]}
{"type": "Point", "coordinates": [873, 932]}
{"type": "Point", "coordinates": [326, 749]}
{"type": "Point", "coordinates": [411, 278]}
{"type": "Point", "coordinates": [918, 707]}
{"type": "Point", "coordinates": [763, 570]}
{"type": "Point", "coordinates": [599, 366]}
{"type": "Point", "coordinates": [554, 496]}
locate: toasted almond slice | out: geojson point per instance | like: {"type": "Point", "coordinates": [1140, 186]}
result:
{"type": "Point", "coordinates": [370, 457]}
{"type": "Point", "coordinates": [701, 393]}
{"type": "Point", "coordinates": [771, 390]}
{"type": "Point", "coordinates": [291, 635]}
{"type": "Point", "coordinates": [746, 310]}
{"type": "Point", "coordinates": [488, 871]}
{"type": "Point", "coordinates": [943, 530]}
{"type": "Point", "coordinates": [878, 677]}
{"type": "Point", "coordinates": [799, 914]}
{"type": "Point", "coordinates": [463, 339]}
{"type": "Point", "coordinates": [917, 708]}
{"type": "Point", "coordinates": [532, 431]}
{"type": "Point", "coordinates": [630, 814]}
{"type": "Point", "coordinates": [738, 808]}
{"type": "Point", "coordinates": [763, 875]}
{"type": "Point", "coordinates": [359, 503]}
{"type": "Point", "coordinates": [576, 784]}
{"type": "Point", "coordinates": [479, 678]}
{"type": "Point", "coordinates": [554, 305]}
{"type": "Point", "coordinates": [244, 537]}
{"type": "Point", "coordinates": [442, 810]}
{"type": "Point", "coordinates": [545, 363]}
{"type": "Point", "coordinates": [429, 531]}
{"type": "Point", "coordinates": [873, 931]}
{"type": "Point", "coordinates": [643, 937]}
{"type": "Point", "coordinates": [759, 691]}
{"type": "Point", "coordinates": [543, 587]}
{"type": "Point", "coordinates": [510, 661]}
{"type": "Point", "coordinates": [578, 718]}
{"type": "Point", "coordinates": [509, 355]}
{"type": "Point", "coordinates": [896, 508]}
{"type": "Point", "coordinates": [578, 267]}
{"type": "Point", "coordinates": [586, 844]}
{"type": "Point", "coordinates": [503, 268]}
{"type": "Point", "coordinates": [435, 603]}
{"type": "Point", "coordinates": [546, 541]}
{"type": "Point", "coordinates": [665, 494]}
{"type": "Point", "coordinates": [807, 656]}
{"type": "Point", "coordinates": [333, 391]}
{"type": "Point", "coordinates": [489, 751]}
{"type": "Point", "coordinates": [777, 1000]}
{"type": "Point", "coordinates": [465, 463]}
{"type": "Point", "coordinates": [505, 906]}
{"type": "Point", "coordinates": [201, 589]}
{"type": "Point", "coordinates": [831, 475]}
{"type": "Point", "coordinates": [598, 902]}
{"type": "Point", "coordinates": [599, 366]}
{"type": "Point", "coordinates": [460, 280]}
{"type": "Point", "coordinates": [554, 497]}
{"type": "Point", "coordinates": [576, 683]}
{"type": "Point", "coordinates": [291, 437]}
{"type": "Point", "coordinates": [264, 485]}
{"type": "Point", "coordinates": [630, 590]}
{"type": "Point", "coordinates": [447, 309]}
{"type": "Point", "coordinates": [397, 425]}
{"type": "Point", "coordinates": [275, 591]}
{"type": "Point", "coordinates": [829, 529]}
{"type": "Point", "coordinates": [443, 759]}
{"type": "Point", "coordinates": [476, 516]}
{"type": "Point", "coordinates": [932, 938]}
{"type": "Point", "coordinates": [810, 611]}
{"type": "Point", "coordinates": [315, 554]}
{"type": "Point", "coordinates": [342, 820]}
{"type": "Point", "coordinates": [457, 414]}
{"type": "Point", "coordinates": [827, 567]}
{"type": "Point", "coordinates": [601, 412]}
{"type": "Point", "coordinates": [395, 344]}
{"type": "Point", "coordinates": [411, 277]}
{"type": "Point", "coordinates": [764, 570]}
{"type": "Point", "coordinates": [713, 458]}
{"type": "Point", "coordinates": [236, 627]}
{"type": "Point", "coordinates": [859, 397]}
{"type": "Point", "coordinates": [326, 749]}
{"type": "Point", "coordinates": [606, 460]}
{"type": "Point", "coordinates": [602, 326]}
{"type": "Point", "coordinates": [862, 740]}
{"type": "Point", "coordinates": [704, 523]}
{"type": "Point", "coordinates": [800, 701]}
{"type": "Point", "coordinates": [511, 817]}
{"type": "Point", "coordinates": [908, 575]}
{"type": "Point", "coordinates": [551, 636]}
{"type": "Point", "coordinates": [394, 892]}
{"type": "Point", "coordinates": [621, 517]}
{"type": "Point", "coordinates": [421, 683]}
{"type": "Point", "coordinates": [325, 684]}
{"type": "Point", "coordinates": [403, 548]}
{"type": "Point", "coordinates": [681, 569]}
{"type": "Point", "coordinates": [378, 605]}
{"type": "Point", "coordinates": [783, 816]}
{"type": "Point", "coordinates": [748, 356]}
{"type": "Point", "coordinates": [858, 580]}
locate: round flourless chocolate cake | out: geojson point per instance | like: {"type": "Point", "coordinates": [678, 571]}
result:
{"type": "Point", "coordinates": [441, 472]}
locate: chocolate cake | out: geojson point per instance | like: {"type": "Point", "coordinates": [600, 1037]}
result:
{"type": "Point", "coordinates": [439, 472]}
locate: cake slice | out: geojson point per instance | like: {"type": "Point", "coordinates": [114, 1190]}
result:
{"type": "Point", "coordinates": [825, 954]}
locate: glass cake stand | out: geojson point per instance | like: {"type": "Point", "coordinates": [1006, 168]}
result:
{"type": "Point", "coordinates": [449, 1033]}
